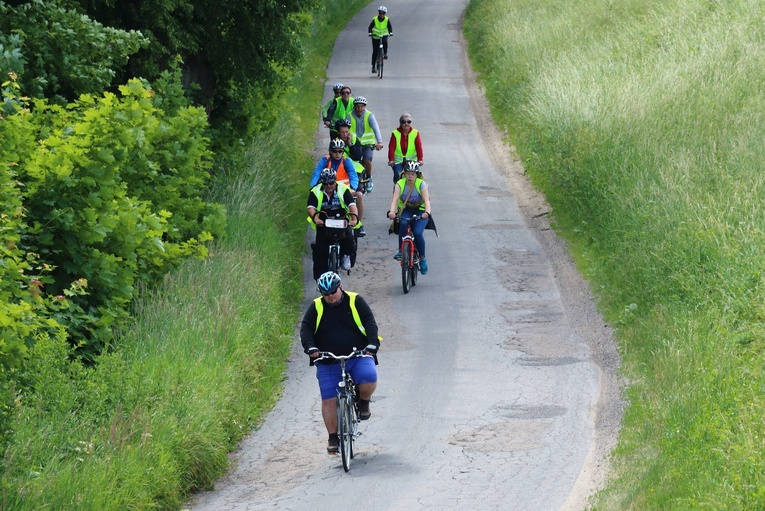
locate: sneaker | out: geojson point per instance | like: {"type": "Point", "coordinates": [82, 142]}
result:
{"type": "Point", "coordinates": [333, 444]}
{"type": "Point", "coordinates": [361, 232]}
{"type": "Point", "coordinates": [423, 266]}
{"type": "Point", "coordinates": [364, 412]}
{"type": "Point", "coordinates": [385, 57]}
{"type": "Point", "coordinates": [373, 69]}
{"type": "Point", "coordinates": [346, 262]}
{"type": "Point", "coordinates": [397, 257]}
{"type": "Point", "coordinates": [370, 185]}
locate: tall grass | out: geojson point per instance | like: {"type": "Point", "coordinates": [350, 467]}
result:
{"type": "Point", "coordinates": [155, 418]}
{"type": "Point", "coordinates": [642, 122]}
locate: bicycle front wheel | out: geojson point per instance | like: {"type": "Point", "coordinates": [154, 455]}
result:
{"type": "Point", "coordinates": [405, 267]}
{"type": "Point", "coordinates": [380, 63]}
{"type": "Point", "coordinates": [345, 430]}
{"type": "Point", "coordinates": [415, 269]}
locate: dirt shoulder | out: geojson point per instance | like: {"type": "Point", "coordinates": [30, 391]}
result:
{"type": "Point", "coordinates": [576, 296]}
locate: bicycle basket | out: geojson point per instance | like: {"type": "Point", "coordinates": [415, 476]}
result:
{"type": "Point", "coordinates": [335, 228]}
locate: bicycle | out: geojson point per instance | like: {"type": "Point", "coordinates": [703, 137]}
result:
{"type": "Point", "coordinates": [380, 59]}
{"type": "Point", "coordinates": [347, 406]}
{"type": "Point", "coordinates": [335, 230]}
{"type": "Point", "coordinates": [410, 256]}
{"type": "Point", "coordinates": [363, 180]}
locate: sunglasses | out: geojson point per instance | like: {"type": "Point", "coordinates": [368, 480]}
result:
{"type": "Point", "coordinates": [406, 122]}
{"type": "Point", "coordinates": [328, 294]}
{"type": "Point", "coordinates": [345, 92]}
{"type": "Point", "coordinates": [336, 151]}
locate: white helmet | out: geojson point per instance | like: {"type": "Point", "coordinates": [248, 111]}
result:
{"type": "Point", "coordinates": [382, 8]}
{"type": "Point", "coordinates": [360, 99]}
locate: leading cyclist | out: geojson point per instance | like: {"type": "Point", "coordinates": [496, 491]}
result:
{"type": "Point", "coordinates": [380, 28]}
{"type": "Point", "coordinates": [340, 321]}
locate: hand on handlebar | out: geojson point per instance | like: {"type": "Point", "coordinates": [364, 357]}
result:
{"type": "Point", "coordinates": [313, 352]}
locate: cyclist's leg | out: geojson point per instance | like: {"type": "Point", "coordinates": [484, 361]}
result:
{"type": "Point", "coordinates": [359, 204]}
{"type": "Point", "coordinates": [346, 244]}
{"type": "Point", "coordinates": [397, 168]}
{"type": "Point", "coordinates": [320, 253]}
{"type": "Point", "coordinates": [328, 376]}
{"type": "Point", "coordinates": [375, 49]}
{"type": "Point", "coordinates": [385, 46]}
{"type": "Point", "coordinates": [367, 154]}
{"type": "Point", "coordinates": [364, 373]}
{"type": "Point", "coordinates": [419, 238]}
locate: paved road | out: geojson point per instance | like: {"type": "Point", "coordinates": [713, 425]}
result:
{"type": "Point", "coordinates": [490, 374]}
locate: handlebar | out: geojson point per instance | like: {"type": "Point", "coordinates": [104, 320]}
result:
{"type": "Point", "coordinates": [328, 354]}
{"type": "Point", "coordinates": [348, 214]}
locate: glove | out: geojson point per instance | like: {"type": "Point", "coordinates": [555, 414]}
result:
{"type": "Point", "coordinates": [312, 351]}
{"type": "Point", "coordinates": [370, 185]}
{"type": "Point", "coordinates": [371, 348]}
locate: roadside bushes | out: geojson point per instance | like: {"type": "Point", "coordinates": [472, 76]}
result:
{"type": "Point", "coordinates": [99, 194]}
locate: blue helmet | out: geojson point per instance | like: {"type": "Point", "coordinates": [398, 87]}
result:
{"type": "Point", "coordinates": [328, 283]}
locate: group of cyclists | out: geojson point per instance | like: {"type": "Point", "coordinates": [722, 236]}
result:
{"type": "Point", "coordinates": [340, 321]}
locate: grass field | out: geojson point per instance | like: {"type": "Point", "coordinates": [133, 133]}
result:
{"type": "Point", "coordinates": [642, 123]}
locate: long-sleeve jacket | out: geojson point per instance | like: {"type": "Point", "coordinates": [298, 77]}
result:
{"type": "Point", "coordinates": [353, 177]}
{"type": "Point", "coordinates": [337, 331]}
{"type": "Point", "coordinates": [404, 145]}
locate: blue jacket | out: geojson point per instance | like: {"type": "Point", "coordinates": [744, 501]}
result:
{"type": "Point", "coordinates": [349, 168]}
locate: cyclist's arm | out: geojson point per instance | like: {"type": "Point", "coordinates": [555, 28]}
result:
{"type": "Point", "coordinates": [371, 26]}
{"type": "Point", "coordinates": [354, 152]}
{"type": "Point", "coordinates": [317, 171]}
{"type": "Point", "coordinates": [418, 147]}
{"type": "Point", "coordinates": [390, 27]}
{"type": "Point", "coordinates": [307, 327]}
{"type": "Point", "coordinates": [368, 320]}
{"type": "Point", "coordinates": [425, 198]}
{"type": "Point", "coordinates": [394, 201]}
{"type": "Point", "coordinates": [392, 148]}
{"type": "Point", "coordinates": [331, 111]}
{"type": "Point", "coordinates": [375, 128]}
{"type": "Point", "coordinates": [353, 177]}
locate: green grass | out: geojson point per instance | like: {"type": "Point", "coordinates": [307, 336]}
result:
{"type": "Point", "coordinates": [155, 419]}
{"type": "Point", "coordinates": [642, 123]}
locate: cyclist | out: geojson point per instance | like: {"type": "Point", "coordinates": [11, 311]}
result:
{"type": "Point", "coordinates": [380, 28]}
{"type": "Point", "coordinates": [411, 197]}
{"type": "Point", "coordinates": [325, 109]}
{"type": "Point", "coordinates": [353, 150]}
{"type": "Point", "coordinates": [405, 143]}
{"type": "Point", "coordinates": [340, 321]}
{"type": "Point", "coordinates": [364, 125]}
{"type": "Point", "coordinates": [331, 198]}
{"type": "Point", "coordinates": [336, 160]}
{"type": "Point", "coordinates": [338, 109]}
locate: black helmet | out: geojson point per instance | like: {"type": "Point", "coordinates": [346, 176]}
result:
{"type": "Point", "coordinates": [327, 177]}
{"type": "Point", "coordinates": [342, 122]}
{"type": "Point", "coordinates": [328, 283]}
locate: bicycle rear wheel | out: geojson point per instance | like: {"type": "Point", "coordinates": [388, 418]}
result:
{"type": "Point", "coordinates": [345, 430]}
{"type": "Point", "coordinates": [333, 264]}
{"type": "Point", "coordinates": [405, 267]}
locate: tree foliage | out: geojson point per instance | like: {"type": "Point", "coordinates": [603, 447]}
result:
{"type": "Point", "coordinates": [59, 53]}
{"type": "Point", "coordinates": [238, 55]}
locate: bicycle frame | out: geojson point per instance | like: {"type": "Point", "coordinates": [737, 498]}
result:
{"type": "Point", "coordinates": [347, 406]}
{"type": "Point", "coordinates": [410, 257]}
